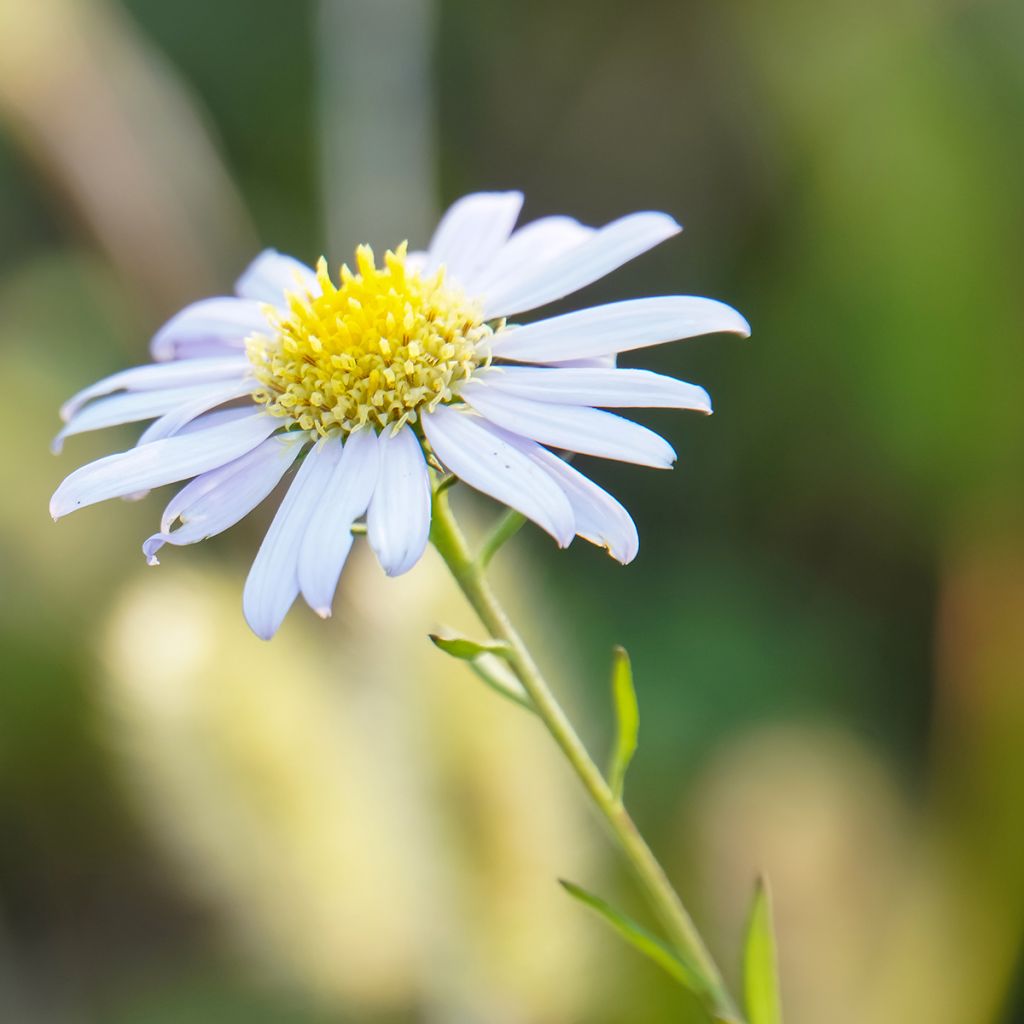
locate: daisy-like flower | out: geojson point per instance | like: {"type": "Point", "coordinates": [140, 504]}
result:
{"type": "Point", "coordinates": [366, 381]}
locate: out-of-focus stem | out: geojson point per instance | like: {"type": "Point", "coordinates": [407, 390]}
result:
{"type": "Point", "coordinates": [451, 544]}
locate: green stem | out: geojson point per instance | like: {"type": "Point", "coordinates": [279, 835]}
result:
{"type": "Point", "coordinates": [451, 544]}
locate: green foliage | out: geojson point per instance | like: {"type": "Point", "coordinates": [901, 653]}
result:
{"type": "Point", "coordinates": [760, 966]}
{"type": "Point", "coordinates": [465, 649]}
{"type": "Point", "coordinates": [487, 660]}
{"type": "Point", "coordinates": [638, 937]}
{"type": "Point", "coordinates": [627, 720]}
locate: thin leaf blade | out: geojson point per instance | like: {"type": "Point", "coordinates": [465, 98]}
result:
{"type": "Point", "coordinates": [627, 720]}
{"type": "Point", "coordinates": [489, 662]}
{"type": "Point", "coordinates": [637, 936]}
{"type": "Point", "coordinates": [464, 649]}
{"type": "Point", "coordinates": [760, 962]}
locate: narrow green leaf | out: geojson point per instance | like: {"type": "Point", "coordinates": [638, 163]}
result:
{"type": "Point", "coordinates": [760, 964]}
{"type": "Point", "coordinates": [505, 529]}
{"type": "Point", "coordinates": [489, 664]}
{"type": "Point", "coordinates": [465, 649]}
{"type": "Point", "coordinates": [638, 937]}
{"type": "Point", "coordinates": [495, 673]}
{"type": "Point", "coordinates": [627, 720]}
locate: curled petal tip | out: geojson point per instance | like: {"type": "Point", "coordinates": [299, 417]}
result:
{"type": "Point", "coordinates": [324, 613]}
{"type": "Point", "coordinates": [151, 547]}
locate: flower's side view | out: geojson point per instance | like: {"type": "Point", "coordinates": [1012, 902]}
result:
{"type": "Point", "coordinates": [385, 386]}
{"type": "Point", "coordinates": [370, 381]}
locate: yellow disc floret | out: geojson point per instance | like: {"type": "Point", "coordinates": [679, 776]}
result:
{"type": "Point", "coordinates": [381, 348]}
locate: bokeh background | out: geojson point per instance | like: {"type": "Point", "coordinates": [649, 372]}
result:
{"type": "Point", "coordinates": [826, 617]}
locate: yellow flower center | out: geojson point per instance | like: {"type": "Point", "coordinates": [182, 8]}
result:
{"type": "Point", "coordinates": [381, 348]}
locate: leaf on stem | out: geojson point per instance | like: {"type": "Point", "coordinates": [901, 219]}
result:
{"type": "Point", "coordinates": [638, 937]}
{"type": "Point", "coordinates": [487, 660]}
{"type": "Point", "coordinates": [507, 527]}
{"type": "Point", "coordinates": [464, 649]}
{"type": "Point", "coordinates": [760, 963]}
{"type": "Point", "coordinates": [627, 720]}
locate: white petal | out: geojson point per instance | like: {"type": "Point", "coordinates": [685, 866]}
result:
{"type": "Point", "coordinates": [217, 418]}
{"type": "Point", "coordinates": [273, 582]}
{"type": "Point", "coordinates": [530, 246]}
{"type": "Point", "coordinates": [472, 230]}
{"type": "Point", "coordinates": [210, 327]}
{"type": "Point", "coordinates": [398, 521]}
{"type": "Point", "coordinates": [177, 419]}
{"type": "Point", "coordinates": [142, 405]}
{"type": "Point", "coordinates": [328, 538]}
{"type": "Point", "coordinates": [211, 503]}
{"type": "Point", "coordinates": [602, 387]}
{"type": "Point", "coordinates": [159, 463]}
{"type": "Point", "coordinates": [606, 249]}
{"type": "Point", "coordinates": [600, 518]}
{"type": "Point", "coordinates": [272, 274]}
{"type": "Point", "coordinates": [598, 362]}
{"type": "Point", "coordinates": [617, 327]}
{"type": "Point", "coordinates": [574, 428]}
{"type": "Point", "coordinates": [198, 488]}
{"type": "Point", "coordinates": [416, 261]}
{"type": "Point", "coordinates": [490, 464]}
{"type": "Point", "coordinates": [157, 376]}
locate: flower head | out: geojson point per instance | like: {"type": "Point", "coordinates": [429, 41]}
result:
{"type": "Point", "coordinates": [358, 380]}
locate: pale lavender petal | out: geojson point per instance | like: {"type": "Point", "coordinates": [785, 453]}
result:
{"type": "Point", "coordinates": [177, 419]}
{"type": "Point", "coordinates": [328, 537]}
{"type": "Point", "coordinates": [472, 230]}
{"type": "Point", "coordinates": [531, 246]}
{"type": "Point", "coordinates": [398, 521]}
{"type": "Point", "coordinates": [574, 428]}
{"type": "Point", "coordinates": [490, 464]}
{"type": "Point", "coordinates": [273, 582]}
{"type": "Point", "coordinates": [211, 503]}
{"type": "Point", "coordinates": [601, 253]}
{"type": "Point", "coordinates": [272, 274]}
{"type": "Point", "coordinates": [604, 388]}
{"type": "Point", "coordinates": [598, 362]}
{"type": "Point", "coordinates": [600, 518]}
{"type": "Point", "coordinates": [217, 418]}
{"type": "Point", "coordinates": [617, 327]}
{"type": "Point", "coordinates": [158, 376]}
{"type": "Point", "coordinates": [133, 406]}
{"type": "Point", "coordinates": [159, 463]}
{"type": "Point", "coordinates": [416, 261]}
{"type": "Point", "coordinates": [210, 327]}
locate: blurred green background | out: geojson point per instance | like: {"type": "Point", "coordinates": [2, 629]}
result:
{"type": "Point", "coordinates": [826, 617]}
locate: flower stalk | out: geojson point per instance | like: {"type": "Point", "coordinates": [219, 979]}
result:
{"type": "Point", "coordinates": [469, 573]}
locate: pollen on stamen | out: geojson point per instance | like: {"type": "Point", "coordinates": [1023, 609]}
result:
{"type": "Point", "coordinates": [379, 348]}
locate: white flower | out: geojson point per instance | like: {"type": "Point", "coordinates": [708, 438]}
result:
{"type": "Point", "coordinates": [363, 378]}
